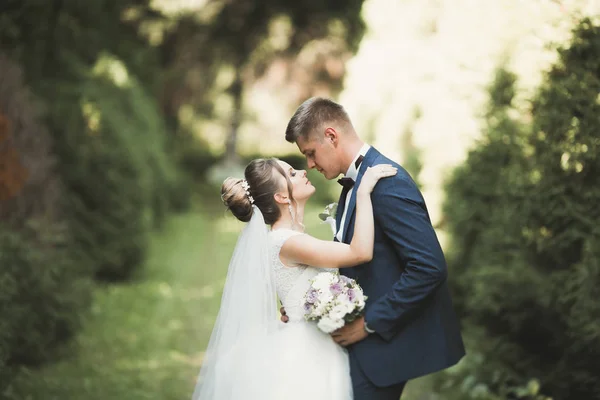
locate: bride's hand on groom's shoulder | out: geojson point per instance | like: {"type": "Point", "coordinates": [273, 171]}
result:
{"type": "Point", "coordinates": [350, 333]}
{"type": "Point", "coordinates": [373, 175]}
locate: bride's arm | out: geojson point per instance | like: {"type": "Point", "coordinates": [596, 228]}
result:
{"type": "Point", "coordinates": [308, 250]}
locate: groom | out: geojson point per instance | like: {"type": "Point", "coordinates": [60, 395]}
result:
{"type": "Point", "coordinates": [409, 327]}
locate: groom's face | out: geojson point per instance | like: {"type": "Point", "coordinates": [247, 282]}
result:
{"type": "Point", "coordinates": [320, 154]}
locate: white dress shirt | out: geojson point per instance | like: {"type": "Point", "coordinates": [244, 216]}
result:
{"type": "Point", "coordinates": [351, 173]}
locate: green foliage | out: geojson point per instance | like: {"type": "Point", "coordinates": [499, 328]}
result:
{"type": "Point", "coordinates": [97, 74]}
{"type": "Point", "coordinates": [241, 38]}
{"type": "Point", "coordinates": [481, 376]}
{"type": "Point", "coordinates": [80, 197]}
{"type": "Point", "coordinates": [524, 219]}
{"type": "Point", "coordinates": [43, 286]}
{"type": "Point", "coordinates": [54, 40]}
{"type": "Point", "coordinates": [114, 164]}
{"type": "Point", "coordinates": [563, 229]}
{"type": "Point", "coordinates": [240, 26]}
{"type": "Point", "coordinates": [193, 155]}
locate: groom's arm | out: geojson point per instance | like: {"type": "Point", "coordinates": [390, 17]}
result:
{"type": "Point", "coordinates": [400, 212]}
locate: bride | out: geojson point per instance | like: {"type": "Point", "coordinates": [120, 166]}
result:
{"type": "Point", "coordinates": [251, 354]}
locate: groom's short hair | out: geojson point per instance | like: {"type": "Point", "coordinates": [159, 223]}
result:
{"type": "Point", "coordinates": [311, 114]}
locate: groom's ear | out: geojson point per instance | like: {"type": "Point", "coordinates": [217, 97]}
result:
{"type": "Point", "coordinates": [332, 136]}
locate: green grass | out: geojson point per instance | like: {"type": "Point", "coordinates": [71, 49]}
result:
{"type": "Point", "coordinates": [144, 340]}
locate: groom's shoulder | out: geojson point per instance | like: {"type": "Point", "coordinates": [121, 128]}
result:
{"type": "Point", "coordinates": [383, 159]}
{"type": "Point", "coordinates": [402, 181]}
{"type": "Point", "coordinates": [380, 158]}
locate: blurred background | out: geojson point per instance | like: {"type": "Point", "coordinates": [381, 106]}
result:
{"type": "Point", "coordinates": [119, 119]}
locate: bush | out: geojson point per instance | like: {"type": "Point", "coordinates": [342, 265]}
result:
{"type": "Point", "coordinates": [43, 288]}
{"type": "Point", "coordinates": [76, 199]}
{"type": "Point", "coordinates": [563, 229]}
{"type": "Point", "coordinates": [43, 293]}
{"type": "Point", "coordinates": [193, 155]}
{"type": "Point", "coordinates": [524, 220]}
{"type": "Point", "coordinates": [109, 134]}
{"type": "Point", "coordinates": [113, 158]}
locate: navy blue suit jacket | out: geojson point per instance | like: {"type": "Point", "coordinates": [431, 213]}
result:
{"type": "Point", "coordinates": [409, 305]}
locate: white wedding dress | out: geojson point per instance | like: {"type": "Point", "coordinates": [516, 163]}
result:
{"type": "Point", "coordinates": [296, 361]}
{"type": "Point", "coordinates": [251, 354]}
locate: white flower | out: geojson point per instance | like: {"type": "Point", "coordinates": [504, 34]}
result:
{"type": "Point", "coordinates": [325, 300]}
{"type": "Point", "coordinates": [330, 211]}
{"type": "Point", "coordinates": [339, 311]}
{"type": "Point", "coordinates": [336, 311]}
{"type": "Point", "coordinates": [359, 297]}
{"type": "Point", "coordinates": [326, 297]}
{"type": "Point", "coordinates": [328, 216]}
{"type": "Point", "coordinates": [318, 312]}
{"type": "Point", "coordinates": [319, 309]}
{"type": "Point", "coordinates": [323, 281]}
{"type": "Point", "coordinates": [328, 325]}
{"type": "Point", "coordinates": [332, 224]}
{"type": "Point", "coordinates": [345, 304]}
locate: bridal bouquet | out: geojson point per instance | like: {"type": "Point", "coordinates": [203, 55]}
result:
{"type": "Point", "coordinates": [333, 300]}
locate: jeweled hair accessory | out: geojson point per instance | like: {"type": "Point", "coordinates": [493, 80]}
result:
{"type": "Point", "coordinates": [246, 187]}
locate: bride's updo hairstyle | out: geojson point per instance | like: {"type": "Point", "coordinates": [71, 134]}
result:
{"type": "Point", "coordinates": [263, 178]}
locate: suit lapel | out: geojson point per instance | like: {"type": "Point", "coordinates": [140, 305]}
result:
{"type": "Point", "coordinates": [367, 162]}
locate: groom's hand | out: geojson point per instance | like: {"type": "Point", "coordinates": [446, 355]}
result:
{"type": "Point", "coordinates": [350, 333]}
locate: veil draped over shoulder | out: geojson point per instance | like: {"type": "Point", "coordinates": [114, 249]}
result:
{"type": "Point", "coordinates": [247, 315]}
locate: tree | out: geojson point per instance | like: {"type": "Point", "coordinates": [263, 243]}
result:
{"type": "Point", "coordinates": [236, 38]}
{"type": "Point", "coordinates": [524, 219]}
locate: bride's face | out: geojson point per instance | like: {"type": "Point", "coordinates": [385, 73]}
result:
{"type": "Point", "coordinates": [302, 189]}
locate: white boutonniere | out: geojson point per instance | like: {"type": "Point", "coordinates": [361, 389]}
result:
{"type": "Point", "coordinates": [328, 216]}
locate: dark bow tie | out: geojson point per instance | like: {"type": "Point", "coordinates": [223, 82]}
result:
{"type": "Point", "coordinates": [348, 183]}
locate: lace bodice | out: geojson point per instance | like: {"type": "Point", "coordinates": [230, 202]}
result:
{"type": "Point", "coordinates": [291, 282]}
